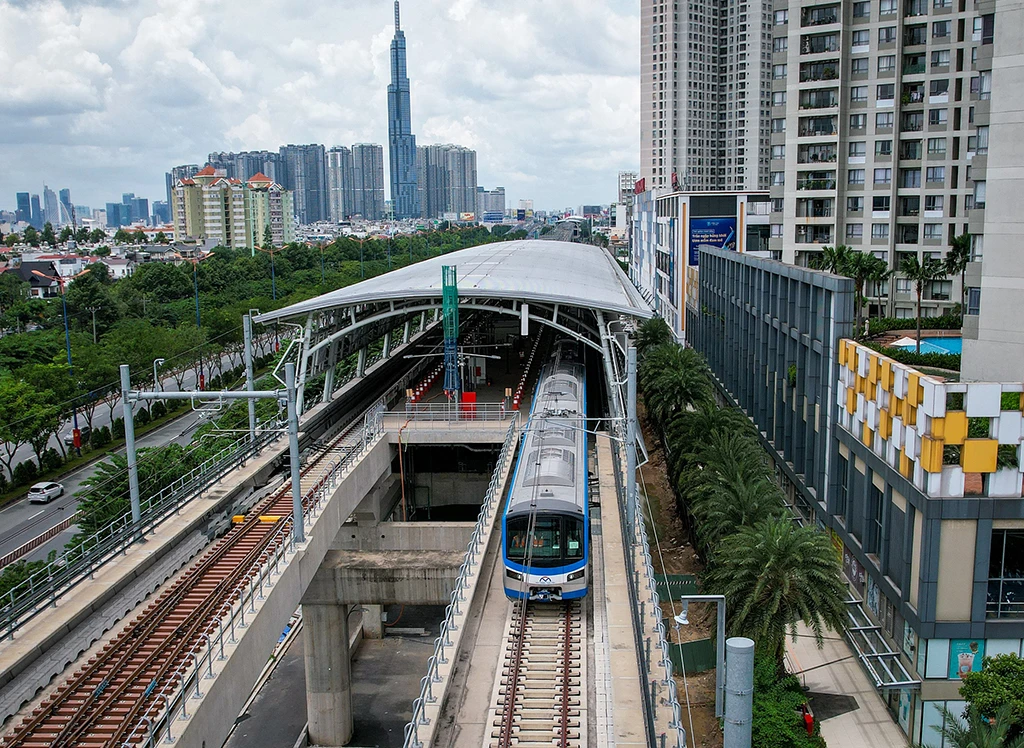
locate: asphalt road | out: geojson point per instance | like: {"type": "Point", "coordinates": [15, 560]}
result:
{"type": "Point", "coordinates": [21, 521]}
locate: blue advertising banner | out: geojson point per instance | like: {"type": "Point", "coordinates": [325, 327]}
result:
{"type": "Point", "coordinates": [965, 656]}
{"type": "Point", "coordinates": [717, 233]}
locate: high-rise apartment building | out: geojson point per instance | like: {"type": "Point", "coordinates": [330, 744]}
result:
{"type": "Point", "coordinates": [490, 204]}
{"type": "Point", "coordinates": [876, 135]}
{"type": "Point", "coordinates": [704, 94]}
{"type": "Point", "coordinates": [37, 213]}
{"type": "Point", "coordinates": [368, 181]}
{"type": "Point", "coordinates": [171, 178]}
{"type": "Point", "coordinates": [269, 205]}
{"type": "Point", "coordinates": [64, 198]}
{"type": "Point", "coordinates": [401, 141]}
{"type": "Point", "coordinates": [24, 210]}
{"type": "Point", "coordinates": [627, 184]}
{"type": "Point", "coordinates": [210, 206]}
{"type": "Point", "coordinates": [246, 164]}
{"type": "Point", "coordinates": [340, 183]}
{"type": "Point", "coordinates": [304, 173]}
{"type": "Point", "coordinates": [51, 209]}
{"type": "Point", "coordinates": [447, 179]}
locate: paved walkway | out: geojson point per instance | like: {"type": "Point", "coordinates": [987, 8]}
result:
{"type": "Point", "coordinates": [836, 671]}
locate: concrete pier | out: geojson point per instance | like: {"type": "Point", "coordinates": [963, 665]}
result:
{"type": "Point", "coordinates": [328, 673]}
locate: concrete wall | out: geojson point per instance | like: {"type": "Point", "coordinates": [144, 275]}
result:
{"type": "Point", "coordinates": [450, 488]}
{"type": "Point", "coordinates": [385, 578]}
{"type": "Point", "coordinates": [404, 536]}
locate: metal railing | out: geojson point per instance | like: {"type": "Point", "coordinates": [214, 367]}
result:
{"type": "Point", "coordinates": [448, 411]}
{"type": "Point", "coordinates": [443, 645]}
{"type": "Point", "coordinates": [41, 589]}
{"type": "Point", "coordinates": [171, 703]}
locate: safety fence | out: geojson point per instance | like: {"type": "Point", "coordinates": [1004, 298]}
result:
{"type": "Point", "coordinates": [38, 540]}
{"type": "Point", "coordinates": [439, 665]}
{"type": "Point", "coordinates": [452, 412]}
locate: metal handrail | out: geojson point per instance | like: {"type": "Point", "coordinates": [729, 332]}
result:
{"type": "Point", "coordinates": [475, 548]}
{"type": "Point", "coordinates": [158, 720]}
{"type": "Point", "coordinates": [41, 589]}
{"type": "Point", "coordinates": [451, 411]}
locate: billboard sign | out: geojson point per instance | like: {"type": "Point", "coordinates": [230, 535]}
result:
{"type": "Point", "coordinates": [714, 233]}
{"type": "Point", "coordinates": [467, 216]}
{"type": "Point", "coordinates": [494, 216]}
{"type": "Point", "coordinates": [520, 215]}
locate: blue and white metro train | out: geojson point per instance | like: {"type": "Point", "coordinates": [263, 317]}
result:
{"type": "Point", "coordinates": [545, 530]}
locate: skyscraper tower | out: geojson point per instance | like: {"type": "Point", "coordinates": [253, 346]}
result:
{"type": "Point", "coordinates": [401, 141]}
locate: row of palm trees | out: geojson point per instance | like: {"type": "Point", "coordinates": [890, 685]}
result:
{"type": "Point", "coordinates": [773, 572]}
{"type": "Point", "coordinates": [865, 268]}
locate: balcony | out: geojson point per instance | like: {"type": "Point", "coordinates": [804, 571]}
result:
{"type": "Point", "coordinates": [915, 35]}
{"type": "Point", "coordinates": [820, 16]}
{"type": "Point", "coordinates": [912, 123]}
{"type": "Point", "coordinates": [811, 208]}
{"type": "Point", "coordinates": [814, 154]}
{"type": "Point", "coordinates": [819, 71]}
{"type": "Point", "coordinates": [909, 207]}
{"type": "Point", "coordinates": [817, 127]}
{"type": "Point", "coordinates": [813, 234]}
{"type": "Point", "coordinates": [819, 44]}
{"type": "Point", "coordinates": [912, 94]}
{"type": "Point", "coordinates": [911, 151]}
{"type": "Point", "coordinates": [826, 181]}
{"type": "Point", "coordinates": [821, 99]}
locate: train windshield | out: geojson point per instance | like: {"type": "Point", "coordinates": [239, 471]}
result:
{"type": "Point", "coordinates": [551, 540]}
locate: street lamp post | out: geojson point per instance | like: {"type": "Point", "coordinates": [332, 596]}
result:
{"type": "Point", "coordinates": [157, 362]}
{"type": "Point", "coordinates": [683, 619]}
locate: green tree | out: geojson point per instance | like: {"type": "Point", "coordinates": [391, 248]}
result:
{"type": "Point", "coordinates": [651, 334]}
{"type": "Point", "coordinates": [31, 236]}
{"type": "Point", "coordinates": [11, 239]}
{"type": "Point", "coordinates": [103, 251]}
{"type": "Point", "coordinates": [17, 399]}
{"type": "Point", "coordinates": [832, 259]}
{"type": "Point", "coordinates": [48, 237]}
{"type": "Point", "coordinates": [862, 267]}
{"type": "Point", "coordinates": [921, 273]}
{"type": "Point", "coordinates": [1000, 682]}
{"type": "Point", "coordinates": [97, 235]}
{"type": "Point", "coordinates": [774, 575]}
{"type": "Point", "coordinates": [777, 720]}
{"type": "Point", "coordinates": [957, 258]}
{"type": "Point", "coordinates": [673, 379]}
{"type": "Point", "coordinates": [139, 237]}
{"type": "Point", "coordinates": [976, 731]}
{"type": "Point", "coordinates": [161, 238]}
{"type": "Point", "coordinates": [268, 237]}
{"type": "Point", "coordinates": [66, 234]}
{"type": "Point", "coordinates": [122, 237]}
{"type": "Point", "coordinates": [82, 235]}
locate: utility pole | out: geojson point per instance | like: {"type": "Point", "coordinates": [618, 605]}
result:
{"type": "Point", "coordinates": [95, 338]}
{"type": "Point", "coordinates": [632, 519]}
{"type": "Point", "coordinates": [739, 690]}
{"type": "Point", "coordinates": [249, 383]}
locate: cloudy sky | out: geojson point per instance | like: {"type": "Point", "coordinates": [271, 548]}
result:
{"type": "Point", "coordinates": [104, 96]}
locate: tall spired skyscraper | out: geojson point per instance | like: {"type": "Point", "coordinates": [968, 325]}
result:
{"type": "Point", "coordinates": [401, 141]}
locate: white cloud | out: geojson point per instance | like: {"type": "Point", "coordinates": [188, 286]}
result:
{"type": "Point", "coordinates": [104, 97]}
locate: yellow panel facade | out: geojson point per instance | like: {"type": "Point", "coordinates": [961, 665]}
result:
{"type": "Point", "coordinates": [937, 428]}
{"type": "Point", "coordinates": [851, 400]}
{"type": "Point", "coordinates": [843, 352]}
{"type": "Point", "coordinates": [955, 426]}
{"type": "Point", "coordinates": [931, 454]}
{"type": "Point", "coordinates": [909, 414]}
{"type": "Point", "coordinates": [914, 389]}
{"type": "Point", "coordinates": [979, 455]}
{"type": "Point", "coordinates": [867, 435]}
{"type": "Point", "coordinates": [906, 466]}
{"type": "Point", "coordinates": [873, 366]}
{"type": "Point", "coordinates": [886, 375]}
{"type": "Point", "coordinates": [884, 424]}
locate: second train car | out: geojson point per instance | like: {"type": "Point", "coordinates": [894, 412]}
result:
{"type": "Point", "coordinates": [545, 528]}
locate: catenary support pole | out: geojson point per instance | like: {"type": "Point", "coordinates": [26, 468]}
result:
{"type": "Point", "coordinates": [298, 518]}
{"type": "Point", "coordinates": [631, 439]}
{"type": "Point", "coordinates": [250, 385]}
{"type": "Point", "coordinates": [129, 445]}
{"type": "Point", "coordinates": [739, 692]}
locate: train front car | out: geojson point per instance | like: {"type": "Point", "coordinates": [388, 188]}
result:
{"type": "Point", "coordinates": [545, 528]}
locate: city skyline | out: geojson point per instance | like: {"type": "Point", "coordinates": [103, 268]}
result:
{"type": "Point", "coordinates": [552, 113]}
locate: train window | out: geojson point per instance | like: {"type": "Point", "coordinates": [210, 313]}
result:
{"type": "Point", "coordinates": [543, 543]}
{"type": "Point", "coordinates": [551, 466]}
{"type": "Point", "coordinates": [573, 538]}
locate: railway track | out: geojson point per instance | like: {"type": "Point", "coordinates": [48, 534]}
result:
{"type": "Point", "coordinates": [104, 700]}
{"type": "Point", "coordinates": [540, 689]}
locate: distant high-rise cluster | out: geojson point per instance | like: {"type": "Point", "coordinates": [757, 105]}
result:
{"type": "Point", "coordinates": [490, 204]}
{"type": "Point", "coordinates": [447, 180]}
{"type": "Point", "coordinates": [405, 189]}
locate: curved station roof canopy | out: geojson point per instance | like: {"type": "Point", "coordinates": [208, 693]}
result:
{"type": "Point", "coordinates": [575, 289]}
{"type": "Point", "coordinates": [579, 275]}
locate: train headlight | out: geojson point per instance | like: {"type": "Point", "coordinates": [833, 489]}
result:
{"type": "Point", "coordinates": [512, 573]}
{"type": "Point", "coordinates": [576, 575]}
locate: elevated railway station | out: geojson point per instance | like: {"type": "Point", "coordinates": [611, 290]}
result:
{"type": "Point", "coordinates": [413, 392]}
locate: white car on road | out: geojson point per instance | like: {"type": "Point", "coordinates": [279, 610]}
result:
{"type": "Point", "coordinates": [44, 493]}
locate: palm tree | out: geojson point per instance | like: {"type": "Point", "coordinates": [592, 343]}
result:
{"type": "Point", "coordinates": [957, 257]}
{"type": "Point", "coordinates": [673, 379]}
{"type": "Point", "coordinates": [734, 503]}
{"type": "Point", "coordinates": [652, 333]}
{"type": "Point", "coordinates": [775, 574]}
{"type": "Point", "coordinates": [863, 267]}
{"type": "Point", "coordinates": [832, 259]}
{"type": "Point", "coordinates": [690, 427]}
{"type": "Point", "coordinates": [921, 273]}
{"type": "Point", "coordinates": [976, 731]}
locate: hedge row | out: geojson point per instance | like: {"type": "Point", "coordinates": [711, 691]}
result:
{"type": "Point", "coordinates": [886, 324]}
{"type": "Point", "coordinates": [911, 357]}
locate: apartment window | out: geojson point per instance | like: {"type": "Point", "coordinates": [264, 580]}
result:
{"type": "Point", "coordinates": [883, 120]}
{"type": "Point", "coordinates": [887, 35]}
{"type": "Point", "coordinates": [858, 148]}
{"type": "Point", "coordinates": [855, 176]}
{"type": "Point", "coordinates": [854, 230]}
{"type": "Point", "coordinates": [779, 124]}
{"type": "Point", "coordinates": [978, 143]}
{"type": "Point", "coordinates": [888, 7]}
{"type": "Point", "coordinates": [936, 145]}
{"type": "Point", "coordinates": [778, 178]}
{"type": "Point", "coordinates": [883, 176]}
{"type": "Point", "coordinates": [883, 147]}
{"type": "Point", "coordinates": [854, 204]}
{"type": "Point", "coordinates": [858, 121]}
{"type": "Point", "coordinates": [860, 38]}
{"type": "Point", "coordinates": [778, 204]}
{"type": "Point", "coordinates": [938, 87]}
{"type": "Point", "coordinates": [885, 92]}
{"type": "Point", "coordinates": [937, 116]}
{"type": "Point", "coordinates": [861, 10]}
{"type": "Point", "coordinates": [776, 230]}
{"type": "Point", "coordinates": [778, 151]}
{"type": "Point", "coordinates": [935, 174]}
{"type": "Point", "coordinates": [781, 17]}
{"type": "Point", "coordinates": [873, 530]}
{"type": "Point", "coordinates": [940, 58]}
{"type": "Point", "coordinates": [881, 203]}
{"type": "Point", "coordinates": [858, 93]}
{"type": "Point", "coordinates": [910, 177]}
{"type": "Point", "coordinates": [886, 63]}
{"type": "Point", "coordinates": [778, 98]}
{"type": "Point", "coordinates": [942, 3]}
{"type": "Point", "coordinates": [778, 72]}
{"type": "Point", "coordinates": [843, 492]}
{"type": "Point", "coordinates": [941, 29]}
{"type": "Point", "coordinates": [859, 66]}
{"type": "Point", "coordinates": [934, 202]}
{"type": "Point", "coordinates": [979, 194]}
{"type": "Point", "coordinates": [780, 44]}
{"type": "Point", "coordinates": [879, 231]}
{"type": "Point", "coordinates": [1005, 597]}
{"type": "Point", "coordinates": [974, 302]}
{"type": "Point", "coordinates": [902, 285]}
{"type": "Point", "coordinates": [933, 231]}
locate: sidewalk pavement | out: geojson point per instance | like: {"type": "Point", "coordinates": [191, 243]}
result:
{"type": "Point", "coordinates": [852, 713]}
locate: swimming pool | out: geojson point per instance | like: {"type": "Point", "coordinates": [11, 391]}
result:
{"type": "Point", "coordinates": [936, 345]}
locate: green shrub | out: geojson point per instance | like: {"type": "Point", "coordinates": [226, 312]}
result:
{"type": "Point", "coordinates": [4, 483]}
{"type": "Point", "coordinates": [25, 473]}
{"type": "Point", "coordinates": [777, 719]}
{"type": "Point", "coordinates": [96, 439]}
{"type": "Point", "coordinates": [159, 409]}
{"type": "Point", "coordinates": [1007, 456]}
{"type": "Point", "coordinates": [105, 433]}
{"type": "Point", "coordinates": [885, 324]}
{"type": "Point", "coordinates": [51, 460]}
{"type": "Point", "coordinates": [949, 361]}
{"type": "Point", "coordinates": [1010, 401]}
{"type": "Point", "coordinates": [142, 417]}
{"type": "Point", "coordinates": [117, 429]}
